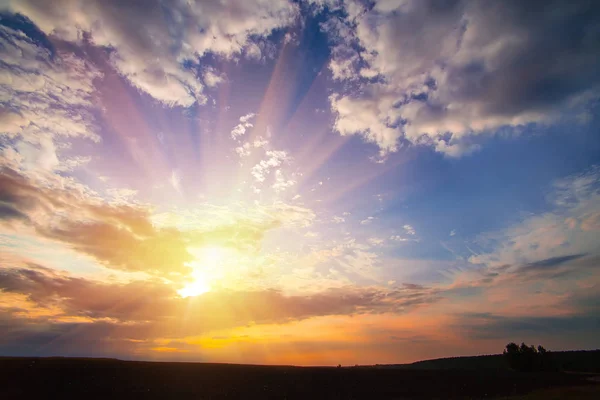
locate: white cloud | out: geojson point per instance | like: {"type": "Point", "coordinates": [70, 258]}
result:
{"type": "Point", "coordinates": [281, 182]}
{"type": "Point", "coordinates": [212, 78]}
{"type": "Point", "coordinates": [439, 75]}
{"type": "Point", "coordinates": [366, 117]}
{"type": "Point", "coordinates": [71, 163]}
{"type": "Point", "coordinates": [243, 150]}
{"type": "Point", "coordinates": [246, 149]}
{"type": "Point", "coordinates": [376, 241]}
{"type": "Point", "coordinates": [153, 38]}
{"type": "Point", "coordinates": [260, 142]}
{"type": "Point", "coordinates": [367, 221]}
{"type": "Point", "coordinates": [175, 180]}
{"type": "Point", "coordinates": [122, 195]}
{"type": "Point", "coordinates": [338, 220]}
{"type": "Point", "coordinates": [289, 215]}
{"type": "Point", "coordinates": [46, 101]}
{"type": "Point", "coordinates": [38, 153]}
{"type": "Point", "coordinates": [409, 230]}
{"type": "Point", "coordinates": [274, 158]}
{"type": "Point", "coordinates": [453, 232]}
{"type": "Point", "coordinates": [290, 38]}
{"type": "Point", "coordinates": [572, 227]}
{"type": "Point", "coordinates": [252, 51]}
{"type": "Point", "coordinates": [240, 129]}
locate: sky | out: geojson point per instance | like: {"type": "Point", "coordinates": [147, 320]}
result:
{"type": "Point", "coordinates": [311, 182]}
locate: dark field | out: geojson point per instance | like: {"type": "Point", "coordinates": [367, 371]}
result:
{"type": "Point", "coordinates": [62, 378]}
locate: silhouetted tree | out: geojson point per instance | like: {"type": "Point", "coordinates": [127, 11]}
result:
{"type": "Point", "coordinates": [527, 358]}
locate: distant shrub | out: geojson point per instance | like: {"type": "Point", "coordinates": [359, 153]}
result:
{"type": "Point", "coordinates": [528, 358]}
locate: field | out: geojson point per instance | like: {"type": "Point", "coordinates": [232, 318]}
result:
{"type": "Point", "coordinates": [113, 379]}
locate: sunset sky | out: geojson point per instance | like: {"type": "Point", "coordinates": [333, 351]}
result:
{"type": "Point", "coordinates": [312, 182]}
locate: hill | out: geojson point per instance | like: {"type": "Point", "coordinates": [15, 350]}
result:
{"type": "Point", "coordinates": [574, 361]}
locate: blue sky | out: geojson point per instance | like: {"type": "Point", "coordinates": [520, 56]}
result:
{"type": "Point", "coordinates": [298, 174]}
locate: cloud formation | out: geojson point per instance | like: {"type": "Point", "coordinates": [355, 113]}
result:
{"type": "Point", "coordinates": [124, 236]}
{"type": "Point", "coordinates": [156, 45]}
{"type": "Point", "coordinates": [47, 98]}
{"type": "Point", "coordinates": [566, 230]}
{"type": "Point", "coordinates": [148, 310]}
{"type": "Point", "coordinates": [121, 236]}
{"type": "Point", "coordinates": [440, 73]}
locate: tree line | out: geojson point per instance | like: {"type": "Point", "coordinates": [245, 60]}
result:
{"type": "Point", "coordinates": [528, 358]}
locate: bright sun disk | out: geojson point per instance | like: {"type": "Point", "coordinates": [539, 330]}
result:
{"type": "Point", "coordinates": [210, 261]}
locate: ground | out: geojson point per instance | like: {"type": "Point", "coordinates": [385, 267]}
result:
{"type": "Point", "coordinates": [113, 379]}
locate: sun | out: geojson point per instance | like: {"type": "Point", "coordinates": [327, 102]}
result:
{"type": "Point", "coordinates": [207, 268]}
{"type": "Point", "coordinates": [195, 288]}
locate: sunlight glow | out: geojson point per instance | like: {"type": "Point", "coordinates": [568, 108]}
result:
{"type": "Point", "coordinates": [197, 287]}
{"type": "Point", "coordinates": [208, 268]}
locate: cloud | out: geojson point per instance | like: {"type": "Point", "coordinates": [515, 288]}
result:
{"type": "Point", "coordinates": [561, 232]}
{"type": "Point", "coordinates": [376, 241]}
{"type": "Point", "coordinates": [492, 326]}
{"type": "Point", "coordinates": [274, 159]}
{"type": "Point", "coordinates": [338, 220]}
{"type": "Point", "coordinates": [538, 276]}
{"type": "Point", "coordinates": [362, 116]}
{"type": "Point", "coordinates": [240, 129]}
{"type": "Point", "coordinates": [367, 221]}
{"type": "Point", "coordinates": [122, 235]}
{"type": "Point", "coordinates": [133, 301]}
{"type": "Point", "coordinates": [47, 101]}
{"type": "Point", "coordinates": [175, 180]}
{"type": "Point", "coordinates": [440, 74]}
{"type": "Point", "coordinates": [154, 42]}
{"type": "Point", "coordinates": [398, 238]}
{"type": "Point", "coordinates": [290, 215]}
{"type": "Point", "coordinates": [149, 310]}
{"type": "Point", "coordinates": [408, 236]}
{"type": "Point", "coordinates": [256, 218]}
{"type": "Point", "coordinates": [122, 195]}
{"type": "Point", "coordinates": [212, 78]}
{"type": "Point", "coordinates": [553, 261]}
{"type": "Point", "coordinates": [347, 261]}
{"type": "Point", "coordinates": [409, 230]}
{"type": "Point", "coordinates": [281, 182]}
